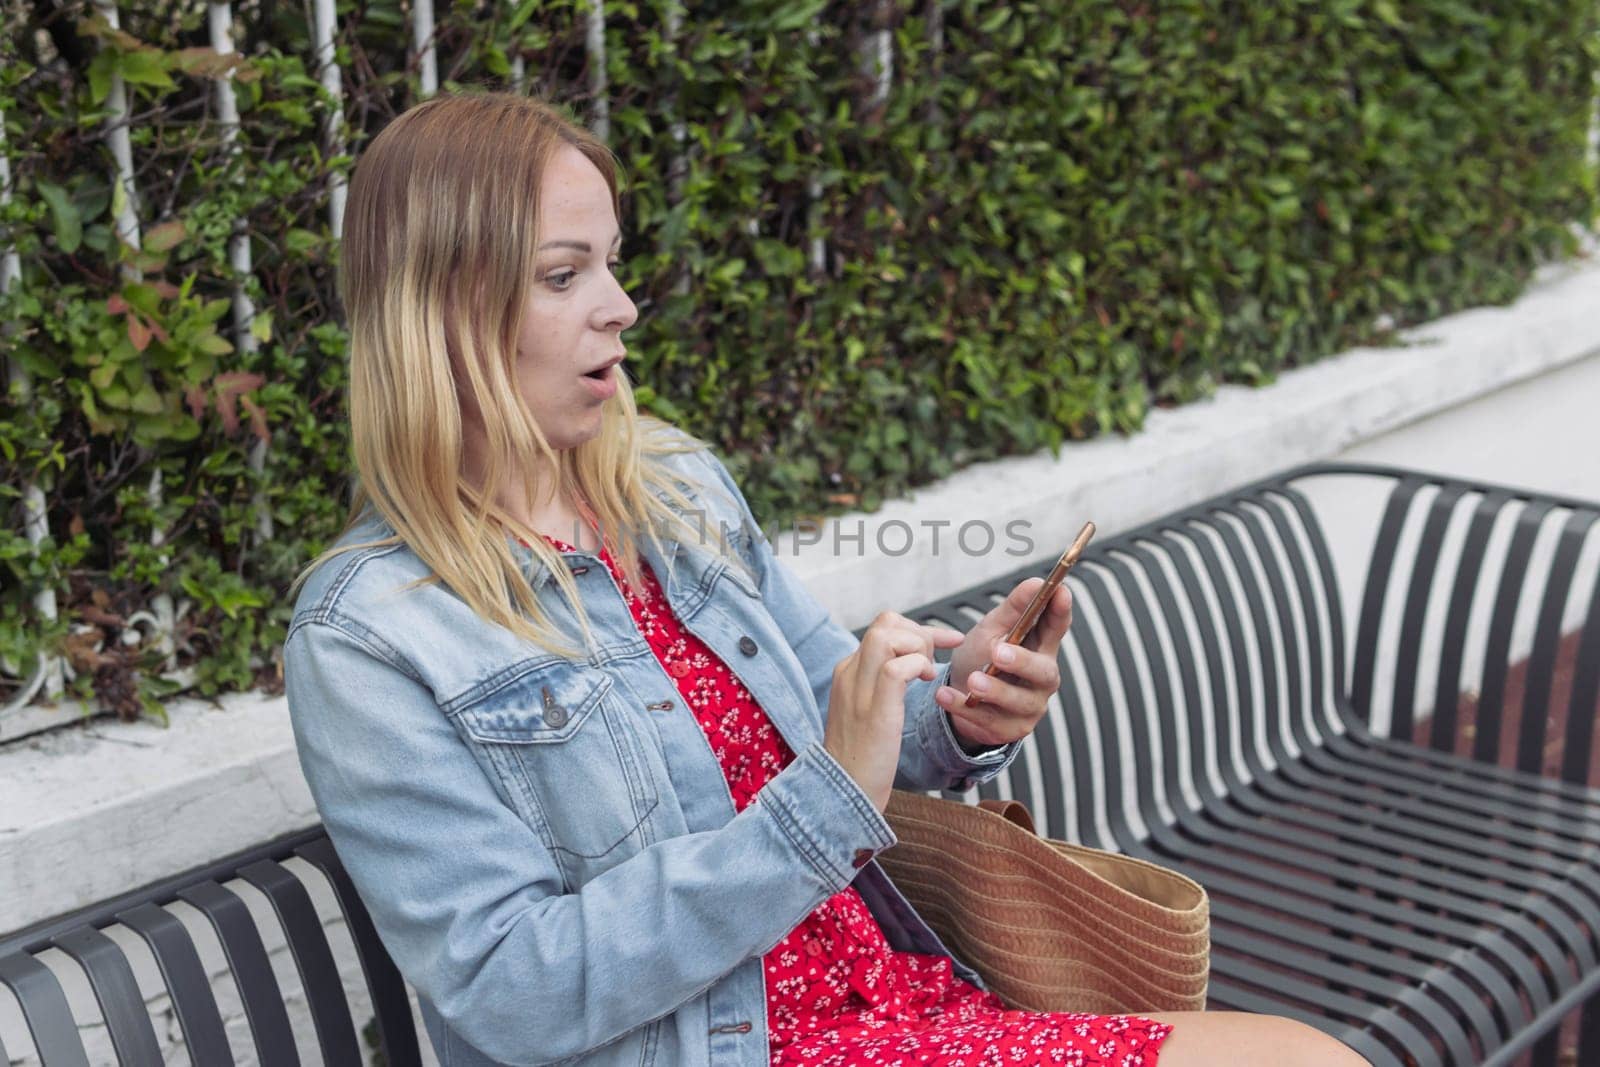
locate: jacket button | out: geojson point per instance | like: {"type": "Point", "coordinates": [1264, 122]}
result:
{"type": "Point", "coordinates": [555, 716]}
{"type": "Point", "coordinates": [862, 857]}
{"type": "Point", "coordinates": [747, 645]}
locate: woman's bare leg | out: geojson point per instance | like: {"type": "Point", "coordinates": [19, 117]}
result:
{"type": "Point", "coordinates": [1239, 1039]}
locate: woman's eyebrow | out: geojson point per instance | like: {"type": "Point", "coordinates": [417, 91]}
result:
{"type": "Point", "coordinates": [580, 246]}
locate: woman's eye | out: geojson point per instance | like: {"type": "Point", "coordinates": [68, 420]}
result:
{"type": "Point", "coordinates": [614, 265]}
{"type": "Point", "coordinates": [560, 279]}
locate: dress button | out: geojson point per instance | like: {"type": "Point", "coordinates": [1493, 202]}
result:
{"type": "Point", "coordinates": [678, 668]}
{"type": "Point", "coordinates": [813, 948]}
{"type": "Point", "coordinates": [747, 645]}
{"type": "Point", "coordinates": [862, 857]}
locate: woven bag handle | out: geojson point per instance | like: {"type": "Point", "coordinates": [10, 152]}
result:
{"type": "Point", "coordinates": [1012, 811]}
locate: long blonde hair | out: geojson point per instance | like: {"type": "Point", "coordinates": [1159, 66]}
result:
{"type": "Point", "coordinates": [437, 256]}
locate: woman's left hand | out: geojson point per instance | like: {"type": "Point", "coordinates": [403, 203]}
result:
{"type": "Point", "coordinates": [1012, 702]}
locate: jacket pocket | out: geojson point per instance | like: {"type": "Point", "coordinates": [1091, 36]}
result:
{"type": "Point", "coordinates": [563, 746]}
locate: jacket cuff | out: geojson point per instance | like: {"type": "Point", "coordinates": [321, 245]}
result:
{"type": "Point", "coordinates": [830, 821]}
{"type": "Point", "coordinates": [937, 737]}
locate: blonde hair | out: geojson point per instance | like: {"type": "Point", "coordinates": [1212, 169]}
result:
{"type": "Point", "coordinates": [437, 255]}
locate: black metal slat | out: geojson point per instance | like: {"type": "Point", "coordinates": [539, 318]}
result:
{"type": "Point", "coordinates": [252, 971]}
{"type": "Point", "coordinates": [1584, 708]}
{"type": "Point", "coordinates": [1547, 643]}
{"type": "Point", "coordinates": [1385, 545]}
{"type": "Point", "coordinates": [1087, 620]}
{"type": "Point", "coordinates": [187, 982]}
{"type": "Point", "coordinates": [319, 975]}
{"type": "Point", "coordinates": [45, 1010]}
{"type": "Point", "coordinates": [1497, 654]}
{"type": "Point", "coordinates": [1452, 648]}
{"type": "Point", "coordinates": [1424, 566]}
{"type": "Point", "coordinates": [121, 1003]}
{"type": "Point", "coordinates": [390, 1001]}
{"type": "Point", "coordinates": [1113, 623]}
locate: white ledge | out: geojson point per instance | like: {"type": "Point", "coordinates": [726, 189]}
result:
{"type": "Point", "coordinates": [93, 810]}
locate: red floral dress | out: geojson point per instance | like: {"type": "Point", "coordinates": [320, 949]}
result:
{"type": "Point", "coordinates": [837, 993]}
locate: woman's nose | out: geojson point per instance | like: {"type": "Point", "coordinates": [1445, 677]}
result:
{"type": "Point", "coordinates": [619, 312]}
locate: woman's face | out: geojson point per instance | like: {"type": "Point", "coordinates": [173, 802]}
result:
{"type": "Point", "coordinates": [574, 311]}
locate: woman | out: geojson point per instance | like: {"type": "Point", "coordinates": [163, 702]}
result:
{"type": "Point", "coordinates": [647, 845]}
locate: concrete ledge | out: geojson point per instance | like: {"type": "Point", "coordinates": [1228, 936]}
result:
{"type": "Point", "coordinates": [89, 811]}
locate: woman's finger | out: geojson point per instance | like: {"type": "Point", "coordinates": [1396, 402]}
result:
{"type": "Point", "coordinates": [1034, 669]}
{"type": "Point", "coordinates": [1004, 697]}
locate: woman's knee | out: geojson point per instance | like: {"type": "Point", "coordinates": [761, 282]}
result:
{"type": "Point", "coordinates": [1236, 1039]}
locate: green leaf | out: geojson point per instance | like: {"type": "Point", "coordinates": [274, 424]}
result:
{"type": "Point", "coordinates": [64, 215]}
{"type": "Point", "coordinates": [261, 327]}
{"type": "Point", "coordinates": [145, 67]}
{"type": "Point", "coordinates": [165, 237]}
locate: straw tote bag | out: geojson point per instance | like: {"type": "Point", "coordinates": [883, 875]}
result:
{"type": "Point", "coordinates": [1051, 926]}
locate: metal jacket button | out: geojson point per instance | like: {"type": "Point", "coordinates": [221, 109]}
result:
{"type": "Point", "coordinates": [747, 645]}
{"type": "Point", "coordinates": [580, 570]}
{"type": "Point", "coordinates": [555, 716]}
{"type": "Point", "coordinates": [732, 1028]}
{"type": "Point", "coordinates": [661, 705]}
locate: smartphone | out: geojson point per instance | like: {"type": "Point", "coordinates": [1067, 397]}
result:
{"type": "Point", "coordinates": [1036, 606]}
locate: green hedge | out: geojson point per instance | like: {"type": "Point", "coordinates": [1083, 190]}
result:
{"type": "Point", "coordinates": [1062, 214]}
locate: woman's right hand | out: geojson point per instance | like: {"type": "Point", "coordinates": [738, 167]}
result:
{"type": "Point", "coordinates": [867, 705]}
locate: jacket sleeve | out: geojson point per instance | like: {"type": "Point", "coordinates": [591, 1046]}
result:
{"type": "Point", "coordinates": [930, 755]}
{"type": "Point", "coordinates": [469, 902]}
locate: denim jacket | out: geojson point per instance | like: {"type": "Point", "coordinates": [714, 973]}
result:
{"type": "Point", "coordinates": [548, 847]}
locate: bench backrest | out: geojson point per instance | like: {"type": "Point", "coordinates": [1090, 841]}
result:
{"type": "Point", "coordinates": [110, 971]}
{"type": "Point", "coordinates": [1212, 645]}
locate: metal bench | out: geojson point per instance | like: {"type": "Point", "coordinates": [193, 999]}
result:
{"type": "Point", "coordinates": [1425, 907]}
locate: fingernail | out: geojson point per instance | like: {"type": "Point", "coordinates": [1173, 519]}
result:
{"type": "Point", "coordinates": [1004, 654]}
{"type": "Point", "coordinates": [980, 683]}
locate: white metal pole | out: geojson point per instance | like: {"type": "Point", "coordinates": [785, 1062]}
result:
{"type": "Point", "coordinates": [422, 41]}
{"type": "Point", "coordinates": [877, 59]}
{"type": "Point", "coordinates": [817, 253]}
{"type": "Point", "coordinates": [678, 168]}
{"type": "Point", "coordinates": [35, 520]}
{"type": "Point", "coordinates": [220, 18]}
{"type": "Point", "coordinates": [124, 199]}
{"type": "Point", "coordinates": [325, 22]}
{"type": "Point", "coordinates": [595, 46]}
